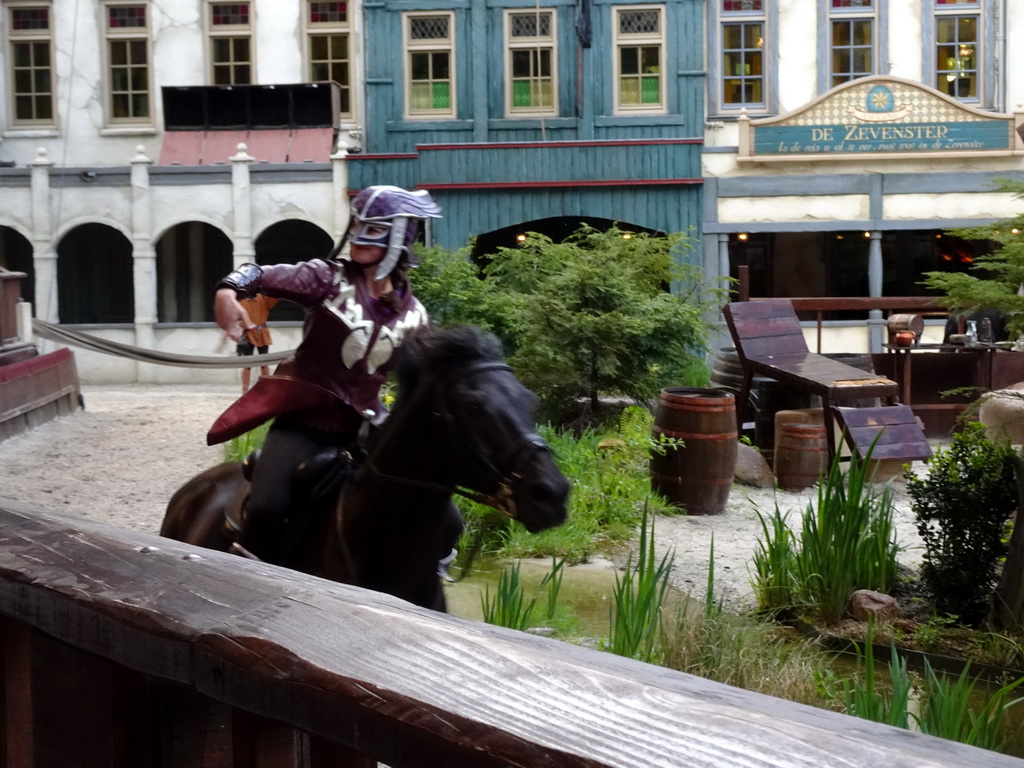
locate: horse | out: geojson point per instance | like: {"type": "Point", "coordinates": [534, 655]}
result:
{"type": "Point", "coordinates": [462, 423]}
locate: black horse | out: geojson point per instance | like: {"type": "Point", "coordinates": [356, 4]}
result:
{"type": "Point", "coordinates": [462, 423]}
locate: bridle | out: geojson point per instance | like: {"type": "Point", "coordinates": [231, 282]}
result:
{"type": "Point", "coordinates": [503, 469]}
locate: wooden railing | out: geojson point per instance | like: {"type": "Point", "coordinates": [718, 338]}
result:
{"type": "Point", "coordinates": [123, 649]}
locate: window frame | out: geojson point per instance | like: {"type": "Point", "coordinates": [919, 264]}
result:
{"type": "Point", "coordinates": [433, 45]}
{"type": "Point", "coordinates": [876, 15]}
{"type": "Point", "coordinates": [767, 16]}
{"type": "Point", "coordinates": [12, 38]}
{"type": "Point", "coordinates": [332, 29]}
{"type": "Point", "coordinates": [620, 42]}
{"type": "Point", "coordinates": [984, 60]}
{"type": "Point", "coordinates": [126, 34]}
{"type": "Point", "coordinates": [231, 32]}
{"type": "Point", "coordinates": [536, 43]}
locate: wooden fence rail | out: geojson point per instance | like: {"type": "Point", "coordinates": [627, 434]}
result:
{"type": "Point", "coordinates": [123, 649]}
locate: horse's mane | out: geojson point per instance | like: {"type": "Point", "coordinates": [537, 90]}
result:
{"type": "Point", "coordinates": [436, 353]}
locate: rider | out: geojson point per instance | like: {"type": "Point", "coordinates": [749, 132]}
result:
{"type": "Point", "coordinates": [358, 311]}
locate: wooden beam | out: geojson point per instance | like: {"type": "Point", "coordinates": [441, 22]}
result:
{"type": "Point", "coordinates": [407, 686]}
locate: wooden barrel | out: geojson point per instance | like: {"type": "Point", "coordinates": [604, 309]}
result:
{"type": "Point", "coordinates": [698, 475]}
{"type": "Point", "coordinates": [801, 457]}
{"type": "Point", "coordinates": [727, 373]}
{"type": "Point", "coordinates": [774, 396]}
{"type": "Point", "coordinates": [897, 323]}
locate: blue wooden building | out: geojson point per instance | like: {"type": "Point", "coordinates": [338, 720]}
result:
{"type": "Point", "coordinates": [536, 116]}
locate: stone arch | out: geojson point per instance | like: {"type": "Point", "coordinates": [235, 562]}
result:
{"type": "Point", "coordinates": [191, 257]}
{"type": "Point", "coordinates": [95, 276]}
{"type": "Point", "coordinates": [16, 255]}
{"type": "Point", "coordinates": [289, 242]}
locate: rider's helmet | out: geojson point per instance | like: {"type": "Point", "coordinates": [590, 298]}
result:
{"type": "Point", "coordinates": [390, 217]}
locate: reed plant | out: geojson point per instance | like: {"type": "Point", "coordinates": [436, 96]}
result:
{"type": "Point", "coordinates": [865, 698]}
{"type": "Point", "coordinates": [951, 709]}
{"type": "Point", "coordinates": [508, 606]}
{"type": "Point", "coordinates": [846, 542]}
{"type": "Point", "coordinates": [639, 600]}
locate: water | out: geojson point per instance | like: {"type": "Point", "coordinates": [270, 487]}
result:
{"type": "Point", "coordinates": [587, 589]}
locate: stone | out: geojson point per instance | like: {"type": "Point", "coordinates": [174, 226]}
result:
{"type": "Point", "coordinates": [752, 469]}
{"type": "Point", "coordinates": [866, 604]}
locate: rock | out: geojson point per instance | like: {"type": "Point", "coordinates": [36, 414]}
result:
{"type": "Point", "coordinates": [752, 469]}
{"type": "Point", "coordinates": [866, 603]}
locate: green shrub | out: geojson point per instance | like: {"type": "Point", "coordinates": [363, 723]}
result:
{"type": "Point", "coordinates": [591, 316]}
{"type": "Point", "coordinates": [609, 478]}
{"type": "Point", "coordinates": [961, 508]}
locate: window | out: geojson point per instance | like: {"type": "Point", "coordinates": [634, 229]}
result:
{"type": "Point", "coordinates": [31, 45]}
{"type": "Point", "coordinates": [530, 41]}
{"type": "Point", "coordinates": [742, 83]}
{"type": "Point", "coordinates": [957, 44]}
{"type": "Point", "coordinates": [429, 41]}
{"type": "Point", "coordinates": [330, 54]}
{"type": "Point", "coordinates": [127, 34]}
{"type": "Point", "coordinates": [230, 44]}
{"type": "Point", "coordinates": [639, 59]}
{"type": "Point", "coordinates": [852, 28]}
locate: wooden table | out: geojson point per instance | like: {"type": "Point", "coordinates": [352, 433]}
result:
{"type": "Point", "coordinates": [983, 353]}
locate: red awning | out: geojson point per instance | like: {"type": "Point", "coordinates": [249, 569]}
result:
{"type": "Point", "coordinates": [296, 145]}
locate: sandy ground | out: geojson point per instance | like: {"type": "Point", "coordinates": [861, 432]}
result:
{"type": "Point", "coordinates": [121, 458]}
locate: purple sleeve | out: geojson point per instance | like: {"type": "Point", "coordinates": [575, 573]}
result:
{"type": "Point", "coordinates": [307, 283]}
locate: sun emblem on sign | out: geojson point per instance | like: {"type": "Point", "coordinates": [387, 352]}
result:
{"type": "Point", "coordinates": [880, 107]}
{"type": "Point", "coordinates": [880, 99]}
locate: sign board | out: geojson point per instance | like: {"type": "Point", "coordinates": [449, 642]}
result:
{"type": "Point", "coordinates": [879, 117]}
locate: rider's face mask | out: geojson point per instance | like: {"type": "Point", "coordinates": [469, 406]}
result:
{"type": "Point", "coordinates": [372, 233]}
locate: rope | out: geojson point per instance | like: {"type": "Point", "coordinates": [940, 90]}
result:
{"type": "Point", "coordinates": [96, 344]}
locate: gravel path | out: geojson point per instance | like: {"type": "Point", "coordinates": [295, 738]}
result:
{"type": "Point", "coordinates": [121, 458]}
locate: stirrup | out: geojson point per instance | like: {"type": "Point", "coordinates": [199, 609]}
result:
{"type": "Point", "coordinates": [442, 565]}
{"type": "Point", "coordinates": [238, 549]}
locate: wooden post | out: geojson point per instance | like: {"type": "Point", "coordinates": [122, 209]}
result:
{"type": "Point", "coordinates": [10, 294]}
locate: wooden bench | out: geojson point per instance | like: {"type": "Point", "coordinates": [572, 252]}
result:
{"type": "Point", "coordinates": [770, 342]}
{"type": "Point", "coordinates": [894, 430]}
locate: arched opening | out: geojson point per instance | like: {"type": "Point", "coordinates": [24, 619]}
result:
{"type": "Point", "coordinates": [190, 259]}
{"type": "Point", "coordinates": [16, 256]}
{"type": "Point", "coordinates": [95, 282]}
{"type": "Point", "coordinates": [289, 242]}
{"type": "Point", "coordinates": [557, 228]}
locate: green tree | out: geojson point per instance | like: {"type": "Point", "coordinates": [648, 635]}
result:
{"type": "Point", "coordinates": [1000, 274]}
{"type": "Point", "coordinates": [453, 291]}
{"type": "Point", "coordinates": [592, 316]}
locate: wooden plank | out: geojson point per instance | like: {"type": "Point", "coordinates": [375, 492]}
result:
{"type": "Point", "coordinates": [894, 430]}
{"type": "Point", "coordinates": [409, 686]}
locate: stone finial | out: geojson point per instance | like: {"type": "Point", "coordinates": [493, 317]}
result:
{"type": "Point", "coordinates": [243, 155]}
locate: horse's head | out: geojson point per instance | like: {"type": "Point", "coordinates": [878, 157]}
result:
{"type": "Point", "coordinates": [484, 418]}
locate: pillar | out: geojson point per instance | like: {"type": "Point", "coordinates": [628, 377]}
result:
{"type": "Point", "coordinates": [143, 260]}
{"type": "Point", "coordinates": [241, 195]}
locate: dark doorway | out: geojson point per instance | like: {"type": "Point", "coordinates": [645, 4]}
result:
{"type": "Point", "coordinates": [190, 259]}
{"type": "Point", "coordinates": [289, 242]}
{"type": "Point", "coordinates": [95, 278]}
{"type": "Point", "coordinates": [16, 256]}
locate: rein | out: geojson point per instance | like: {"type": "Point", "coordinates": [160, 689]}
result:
{"type": "Point", "coordinates": [502, 499]}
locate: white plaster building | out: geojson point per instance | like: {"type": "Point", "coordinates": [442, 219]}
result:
{"type": "Point", "coordinates": [814, 215]}
{"type": "Point", "coordinates": [123, 226]}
